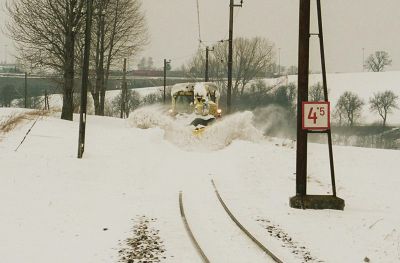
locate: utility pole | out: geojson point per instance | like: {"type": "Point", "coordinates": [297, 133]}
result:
{"type": "Point", "coordinates": [363, 61]}
{"type": "Point", "coordinates": [279, 59]}
{"type": "Point", "coordinates": [302, 200]}
{"type": "Point", "coordinates": [124, 92]}
{"type": "Point", "coordinates": [230, 55]}
{"type": "Point", "coordinates": [207, 53]}
{"type": "Point", "coordinates": [165, 76]}
{"type": "Point", "coordinates": [303, 69]}
{"type": "Point", "coordinates": [46, 100]}
{"type": "Point", "coordinates": [26, 90]}
{"type": "Point", "coordinates": [85, 79]}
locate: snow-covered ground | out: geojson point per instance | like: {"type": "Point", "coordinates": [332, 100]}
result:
{"type": "Point", "coordinates": [57, 208]}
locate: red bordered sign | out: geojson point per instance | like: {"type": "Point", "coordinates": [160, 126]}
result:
{"type": "Point", "coordinates": [316, 115]}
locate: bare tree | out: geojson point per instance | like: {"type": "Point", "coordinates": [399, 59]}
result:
{"type": "Point", "coordinates": [383, 103]}
{"type": "Point", "coordinates": [378, 61]}
{"type": "Point", "coordinates": [339, 113]}
{"type": "Point", "coordinates": [132, 102]}
{"type": "Point", "coordinates": [121, 32]}
{"type": "Point", "coordinates": [195, 69]}
{"type": "Point", "coordinates": [316, 92]}
{"type": "Point", "coordinates": [349, 105]}
{"type": "Point", "coordinates": [45, 32]}
{"type": "Point", "coordinates": [252, 58]}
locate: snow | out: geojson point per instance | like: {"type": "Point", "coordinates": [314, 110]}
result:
{"type": "Point", "coordinates": [200, 90]}
{"type": "Point", "coordinates": [179, 132]}
{"type": "Point", "coordinates": [55, 207]}
{"type": "Point", "coordinates": [182, 87]}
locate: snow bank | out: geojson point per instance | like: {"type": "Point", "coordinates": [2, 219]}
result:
{"type": "Point", "coordinates": [150, 117]}
{"type": "Point", "coordinates": [238, 126]}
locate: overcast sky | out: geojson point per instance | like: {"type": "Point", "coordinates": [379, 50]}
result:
{"type": "Point", "coordinates": [349, 26]}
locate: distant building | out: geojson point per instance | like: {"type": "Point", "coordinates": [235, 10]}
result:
{"type": "Point", "coordinates": [146, 73]}
{"type": "Point", "coordinates": [152, 73]}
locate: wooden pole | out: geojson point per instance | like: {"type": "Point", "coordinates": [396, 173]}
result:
{"type": "Point", "coordinates": [85, 80]}
{"type": "Point", "coordinates": [303, 67]}
{"type": "Point", "coordinates": [325, 85]}
{"type": "Point", "coordinates": [123, 92]}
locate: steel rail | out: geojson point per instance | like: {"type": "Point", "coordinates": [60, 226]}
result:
{"type": "Point", "coordinates": [248, 234]}
{"type": "Point", "coordinates": [189, 231]}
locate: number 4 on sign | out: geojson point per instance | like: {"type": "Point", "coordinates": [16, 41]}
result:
{"type": "Point", "coordinates": [316, 115]}
{"type": "Point", "coordinates": [312, 115]}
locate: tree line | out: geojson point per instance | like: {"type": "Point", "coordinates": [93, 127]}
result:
{"type": "Point", "coordinates": [49, 35]}
{"type": "Point", "coordinates": [252, 58]}
{"type": "Point", "coordinates": [349, 106]}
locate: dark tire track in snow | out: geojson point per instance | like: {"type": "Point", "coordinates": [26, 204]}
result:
{"type": "Point", "coordinates": [189, 231]}
{"type": "Point", "coordinates": [245, 231]}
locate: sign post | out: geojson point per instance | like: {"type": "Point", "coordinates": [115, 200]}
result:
{"type": "Point", "coordinates": [316, 116]}
{"type": "Point", "coordinates": [312, 117]}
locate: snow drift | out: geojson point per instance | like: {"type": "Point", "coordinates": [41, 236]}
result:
{"type": "Point", "coordinates": [238, 126]}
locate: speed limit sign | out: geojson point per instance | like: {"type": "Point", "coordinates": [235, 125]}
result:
{"type": "Point", "coordinates": [316, 115]}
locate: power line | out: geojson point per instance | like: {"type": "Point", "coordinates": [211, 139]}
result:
{"type": "Point", "coordinates": [198, 21]}
{"type": "Point", "coordinates": [201, 41]}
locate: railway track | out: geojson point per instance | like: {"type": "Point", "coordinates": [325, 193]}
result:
{"type": "Point", "coordinates": [189, 231]}
{"type": "Point", "coordinates": [196, 244]}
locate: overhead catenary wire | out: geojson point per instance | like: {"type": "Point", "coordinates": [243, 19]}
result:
{"type": "Point", "coordinates": [40, 115]}
{"type": "Point", "coordinates": [200, 39]}
{"type": "Point", "coordinates": [198, 21]}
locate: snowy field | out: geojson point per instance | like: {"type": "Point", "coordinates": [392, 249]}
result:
{"type": "Point", "coordinates": [364, 84]}
{"type": "Point", "coordinates": [56, 208]}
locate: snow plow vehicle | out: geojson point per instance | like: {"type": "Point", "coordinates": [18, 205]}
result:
{"type": "Point", "coordinates": [198, 99]}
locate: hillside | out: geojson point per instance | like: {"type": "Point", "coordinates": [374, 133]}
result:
{"type": "Point", "coordinates": [364, 84]}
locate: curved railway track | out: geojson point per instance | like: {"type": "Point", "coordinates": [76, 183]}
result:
{"type": "Point", "coordinates": [232, 217]}
{"type": "Point", "coordinates": [189, 231]}
{"type": "Point", "coordinates": [245, 231]}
